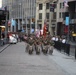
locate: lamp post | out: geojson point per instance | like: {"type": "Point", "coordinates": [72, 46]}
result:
{"type": "Point", "coordinates": [22, 17]}
{"type": "Point", "coordinates": [26, 22]}
{"type": "Point", "coordinates": [30, 16]}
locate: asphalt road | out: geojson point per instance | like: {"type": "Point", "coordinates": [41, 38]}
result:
{"type": "Point", "coordinates": [15, 61]}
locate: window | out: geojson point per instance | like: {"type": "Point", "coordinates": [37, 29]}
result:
{"type": "Point", "coordinates": [63, 4]}
{"type": "Point", "coordinates": [40, 26]}
{"type": "Point", "coordinates": [63, 15]}
{"type": "Point", "coordinates": [54, 15]}
{"type": "Point", "coordinates": [47, 15]}
{"type": "Point", "coordinates": [60, 5]}
{"type": "Point", "coordinates": [40, 15]}
{"type": "Point", "coordinates": [60, 15]}
{"type": "Point", "coordinates": [47, 5]}
{"type": "Point", "coordinates": [40, 6]}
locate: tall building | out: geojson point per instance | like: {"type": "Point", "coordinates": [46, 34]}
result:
{"type": "Point", "coordinates": [22, 11]}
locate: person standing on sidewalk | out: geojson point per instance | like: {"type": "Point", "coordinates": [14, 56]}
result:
{"type": "Point", "coordinates": [63, 40]}
{"type": "Point", "coordinates": [2, 39]}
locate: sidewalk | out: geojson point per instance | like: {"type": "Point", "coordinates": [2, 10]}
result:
{"type": "Point", "coordinates": [2, 48]}
{"type": "Point", "coordinates": [72, 43]}
{"type": "Point", "coordinates": [67, 63]}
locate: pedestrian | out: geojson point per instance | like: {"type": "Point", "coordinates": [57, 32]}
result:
{"type": "Point", "coordinates": [63, 40]}
{"type": "Point", "coordinates": [3, 36]}
{"type": "Point", "coordinates": [17, 37]}
{"type": "Point", "coordinates": [56, 38]}
{"type": "Point", "coordinates": [7, 38]}
{"type": "Point", "coordinates": [53, 38]}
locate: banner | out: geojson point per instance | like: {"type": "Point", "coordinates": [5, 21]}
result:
{"type": "Point", "coordinates": [66, 3]}
{"type": "Point", "coordinates": [66, 21]}
{"type": "Point", "coordinates": [13, 22]}
{"type": "Point", "coordinates": [66, 29]}
{"type": "Point", "coordinates": [44, 29]}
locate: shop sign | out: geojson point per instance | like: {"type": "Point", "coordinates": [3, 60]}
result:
{"type": "Point", "coordinates": [74, 34]}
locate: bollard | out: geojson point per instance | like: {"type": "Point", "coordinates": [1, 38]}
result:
{"type": "Point", "coordinates": [75, 52]}
{"type": "Point", "coordinates": [59, 46]}
{"type": "Point", "coordinates": [68, 49]}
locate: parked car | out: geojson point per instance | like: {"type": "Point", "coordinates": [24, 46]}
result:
{"type": "Point", "coordinates": [12, 40]}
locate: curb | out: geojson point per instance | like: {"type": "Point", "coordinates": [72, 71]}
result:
{"type": "Point", "coordinates": [4, 48]}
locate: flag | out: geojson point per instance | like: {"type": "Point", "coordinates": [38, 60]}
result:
{"type": "Point", "coordinates": [66, 29]}
{"type": "Point", "coordinates": [44, 29]}
{"type": "Point", "coordinates": [66, 3]}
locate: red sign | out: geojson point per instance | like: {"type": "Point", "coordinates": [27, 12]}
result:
{"type": "Point", "coordinates": [66, 29]}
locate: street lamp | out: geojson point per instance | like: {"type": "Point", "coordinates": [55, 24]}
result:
{"type": "Point", "coordinates": [26, 22]}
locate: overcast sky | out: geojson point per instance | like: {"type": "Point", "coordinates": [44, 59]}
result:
{"type": "Point", "coordinates": [0, 3]}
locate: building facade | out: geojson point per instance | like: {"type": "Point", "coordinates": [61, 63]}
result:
{"type": "Point", "coordinates": [42, 14]}
{"type": "Point", "coordinates": [66, 18]}
{"type": "Point", "coordinates": [23, 12]}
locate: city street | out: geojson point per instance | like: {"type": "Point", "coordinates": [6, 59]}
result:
{"type": "Point", "coordinates": [14, 61]}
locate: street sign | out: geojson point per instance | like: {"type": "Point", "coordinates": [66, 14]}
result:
{"type": "Point", "coordinates": [73, 34]}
